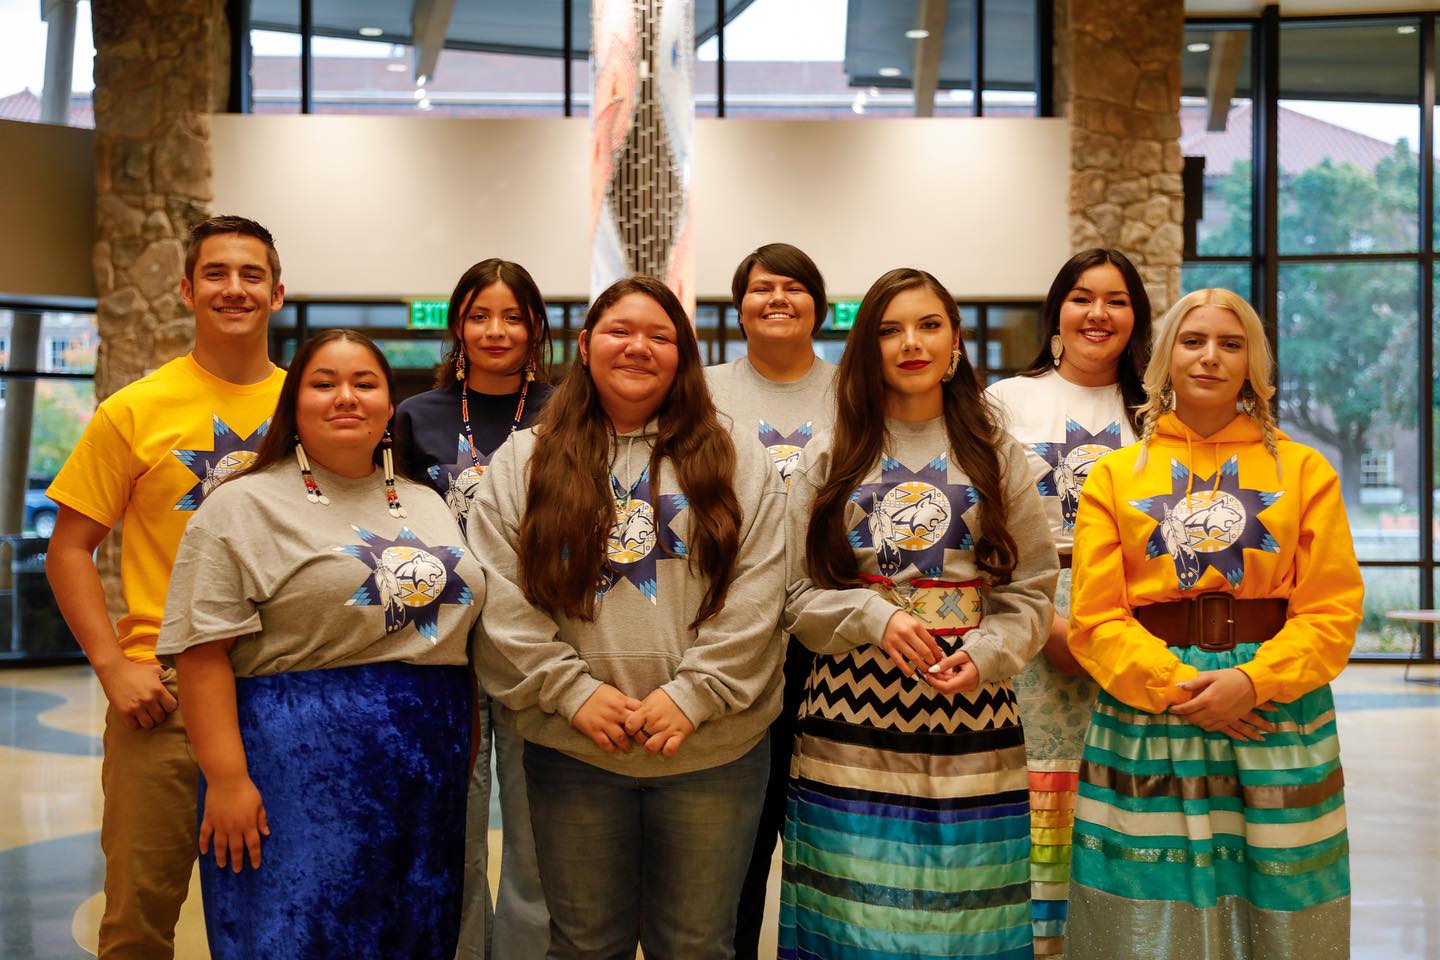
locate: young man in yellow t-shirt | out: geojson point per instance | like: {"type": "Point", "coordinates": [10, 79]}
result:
{"type": "Point", "coordinates": [153, 452]}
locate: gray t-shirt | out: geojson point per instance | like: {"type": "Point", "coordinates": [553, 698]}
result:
{"type": "Point", "coordinates": [784, 417]}
{"type": "Point", "coordinates": [308, 586]}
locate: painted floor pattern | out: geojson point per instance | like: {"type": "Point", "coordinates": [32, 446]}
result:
{"type": "Point", "coordinates": [51, 870]}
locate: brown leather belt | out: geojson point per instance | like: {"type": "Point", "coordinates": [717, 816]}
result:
{"type": "Point", "coordinates": [1214, 621]}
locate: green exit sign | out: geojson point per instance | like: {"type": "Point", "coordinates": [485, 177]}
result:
{"type": "Point", "coordinates": [845, 311]}
{"type": "Point", "coordinates": [428, 314]}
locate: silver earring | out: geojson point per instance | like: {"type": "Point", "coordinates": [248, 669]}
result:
{"type": "Point", "coordinates": [1057, 347]}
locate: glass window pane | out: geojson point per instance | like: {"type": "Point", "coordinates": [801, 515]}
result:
{"type": "Point", "coordinates": [60, 342]}
{"type": "Point", "coordinates": [23, 39]}
{"type": "Point", "coordinates": [1386, 589]}
{"type": "Point", "coordinates": [1216, 126]}
{"type": "Point", "coordinates": [1231, 276]}
{"type": "Point", "coordinates": [411, 354]}
{"type": "Point", "coordinates": [830, 347]}
{"type": "Point", "coordinates": [824, 59]}
{"type": "Point", "coordinates": [1348, 387]}
{"type": "Point", "coordinates": [1009, 59]}
{"type": "Point", "coordinates": [1349, 125]}
{"type": "Point", "coordinates": [1013, 338]}
{"type": "Point", "coordinates": [275, 70]}
{"type": "Point", "coordinates": [366, 316]}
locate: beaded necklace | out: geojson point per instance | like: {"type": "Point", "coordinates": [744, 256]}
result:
{"type": "Point", "coordinates": [465, 413]}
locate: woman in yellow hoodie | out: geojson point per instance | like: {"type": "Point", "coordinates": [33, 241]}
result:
{"type": "Point", "coordinates": [1216, 595]}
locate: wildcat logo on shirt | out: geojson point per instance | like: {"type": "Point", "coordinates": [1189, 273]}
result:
{"type": "Point", "coordinates": [457, 481]}
{"type": "Point", "coordinates": [229, 454]}
{"type": "Point", "coordinates": [630, 552]}
{"type": "Point", "coordinates": [409, 579]}
{"type": "Point", "coordinates": [1070, 464]}
{"type": "Point", "coordinates": [913, 517]}
{"type": "Point", "coordinates": [785, 450]}
{"type": "Point", "coordinates": [1211, 526]}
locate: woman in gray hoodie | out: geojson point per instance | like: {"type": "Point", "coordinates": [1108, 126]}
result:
{"type": "Point", "coordinates": [632, 633]}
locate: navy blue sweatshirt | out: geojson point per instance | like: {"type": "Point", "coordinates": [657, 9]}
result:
{"type": "Point", "coordinates": [430, 443]}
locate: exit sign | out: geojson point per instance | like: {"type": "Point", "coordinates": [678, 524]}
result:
{"type": "Point", "coordinates": [845, 311]}
{"type": "Point", "coordinates": [428, 314]}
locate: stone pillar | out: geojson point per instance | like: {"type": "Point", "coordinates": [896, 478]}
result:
{"type": "Point", "coordinates": [642, 122]}
{"type": "Point", "coordinates": [1117, 78]}
{"type": "Point", "coordinates": [161, 68]}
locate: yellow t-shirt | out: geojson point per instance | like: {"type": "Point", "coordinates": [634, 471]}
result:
{"type": "Point", "coordinates": [152, 453]}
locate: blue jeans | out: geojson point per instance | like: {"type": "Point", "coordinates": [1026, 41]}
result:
{"type": "Point", "coordinates": [517, 927]}
{"type": "Point", "coordinates": [656, 861]}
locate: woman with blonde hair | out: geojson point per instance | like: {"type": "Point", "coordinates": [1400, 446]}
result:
{"type": "Point", "coordinates": [1216, 595]}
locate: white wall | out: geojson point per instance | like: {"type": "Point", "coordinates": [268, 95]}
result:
{"type": "Point", "coordinates": [47, 210]}
{"type": "Point", "coordinates": [399, 206]}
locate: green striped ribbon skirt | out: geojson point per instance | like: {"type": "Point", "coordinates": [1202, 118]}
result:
{"type": "Point", "coordinates": [1191, 844]}
{"type": "Point", "coordinates": [907, 829]}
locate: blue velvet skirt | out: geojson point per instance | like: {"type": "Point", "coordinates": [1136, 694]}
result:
{"type": "Point", "coordinates": [362, 771]}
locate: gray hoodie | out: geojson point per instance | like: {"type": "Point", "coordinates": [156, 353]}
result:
{"type": "Point", "coordinates": [543, 665]}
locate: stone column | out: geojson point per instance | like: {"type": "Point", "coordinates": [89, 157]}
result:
{"type": "Point", "coordinates": [1117, 78]}
{"type": "Point", "coordinates": [161, 68]}
{"type": "Point", "coordinates": [642, 121]}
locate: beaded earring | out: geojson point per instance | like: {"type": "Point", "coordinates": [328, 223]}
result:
{"type": "Point", "coordinates": [1249, 401]}
{"type": "Point", "coordinates": [1167, 397]}
{"type": "Point", "coordinates": [954, 365]}
{"type": "Point", "coordinates": [312, 489]}
{"type": "Point", "coordinates": [387, 457]}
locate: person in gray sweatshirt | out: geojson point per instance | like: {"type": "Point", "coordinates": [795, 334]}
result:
{"type": "Point", "coordinates": [635, 571]}
{"type": "Point", "coordinates": [922, 574]}
{"type": "Point", "coordinates": [782, 395]}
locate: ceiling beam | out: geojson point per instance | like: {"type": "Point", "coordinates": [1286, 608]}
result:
{"type": "Point", "coordinates": [428, 27]}
{"type": "Point", "coordinates": [1227, 48]}
{"type": "Point", "coordinates": [930, 15]}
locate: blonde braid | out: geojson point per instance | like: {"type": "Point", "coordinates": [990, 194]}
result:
{"type": "Point", "coordinates": [1266, 416]}
{"type": "Point", "coordinates": [1150, 413]}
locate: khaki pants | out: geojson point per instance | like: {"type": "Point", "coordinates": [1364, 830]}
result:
{"type": "Point", "coordinates": [148, 834]}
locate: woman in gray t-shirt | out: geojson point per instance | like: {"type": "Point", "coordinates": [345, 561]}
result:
{"type": "Point", "coordinates": [318, 618]}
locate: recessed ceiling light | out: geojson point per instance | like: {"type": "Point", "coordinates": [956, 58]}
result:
{"type": "Point", "coordinates": [858, 106]}
{"type": "Point", "coordinates": [419, 94]}
{"type": "Point", "coordinates": [395, 67]}
{"type": "Point", "coordinates": [423, 79]}
{"type": "Point", "coordinates": [1197, 47]}
{"type": "Point", "coordinates": [872, 91]}
{"type": "Point", "coordinates": [1408, 28]}
{"type": "Point", "coordinates": [889, 71]}
{"type": "Point", "coordinates": [916, 34]}
{"type": "Point", "coordinates": [371, 32]}
{"type": "Point", "coordinates": [425, 104]}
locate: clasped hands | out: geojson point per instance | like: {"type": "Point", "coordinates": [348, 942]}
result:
{"type": "Point", "coordinates": [1224, 700]}
{"type": "Point", "coordinates": [915, 651]}
{"type": "Point", "coordinates": [617, 722]}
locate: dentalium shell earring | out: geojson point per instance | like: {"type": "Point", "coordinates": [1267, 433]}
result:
{"type": "Point", "coordinates": [312, 489]}
{"type": "Point", "coordinates": [392, 499]}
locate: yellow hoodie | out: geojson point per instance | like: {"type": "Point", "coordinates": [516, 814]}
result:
{"type": "Point", "coordinates": [1212, 514]}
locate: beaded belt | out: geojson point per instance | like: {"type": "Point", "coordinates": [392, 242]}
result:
{"type": "Point", "coordinates": [948, 608]}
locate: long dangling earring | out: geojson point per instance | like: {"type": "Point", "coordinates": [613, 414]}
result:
{"type": "Point", "coordinates": [392, 499]}
{"type": "Point", "coordinates": [1167, 397]}
{"type": "Point", "coordinates": [1249, 400]}
{"type": "Point", "coordinates": [312, 489]}
{"type": "Point", "coordinates": [954, 365]}
{"type": "Point", "coordinates": [530, 370]}
{"type": "Point", "coordinates": [460, 362]}
{"type": "Point", "coordinates": [1057, 347]}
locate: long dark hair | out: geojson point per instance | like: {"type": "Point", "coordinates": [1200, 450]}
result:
{"type": "Point", "coordinates": [570, 504]}
{"type": "Point", "coordinates": [1137, 349]}
{"type": "Point", "coordinates": [527, 295]}
{"type": "Point", "coordinates": [859, 439]}
{"type": "Point", "coordinates": [280, 436]}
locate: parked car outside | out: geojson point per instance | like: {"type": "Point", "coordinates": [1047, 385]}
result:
{"type": "Point", "coordinates": [40, 512]}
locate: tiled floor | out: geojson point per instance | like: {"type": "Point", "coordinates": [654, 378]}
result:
{"type": "Point", "coordinates": [50, 869]}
